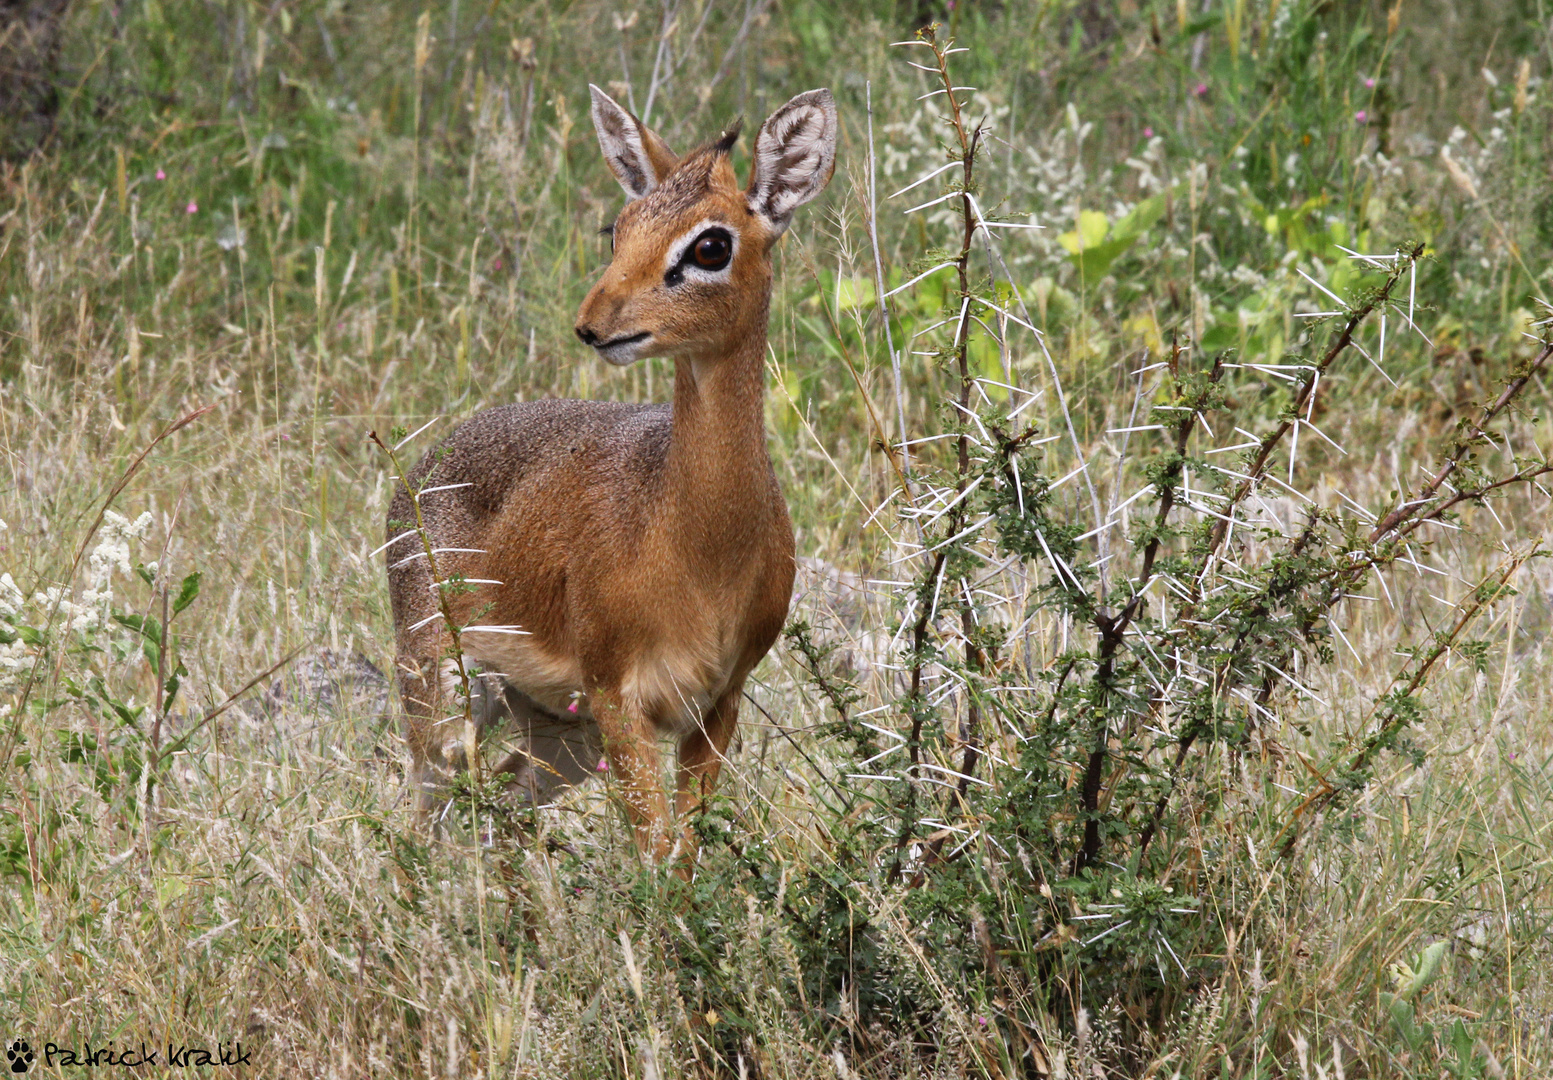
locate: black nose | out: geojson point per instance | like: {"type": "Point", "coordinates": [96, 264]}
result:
{"type": "Point", "coordinates": [587, 335]}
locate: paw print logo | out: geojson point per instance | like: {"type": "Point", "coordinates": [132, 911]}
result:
{"type": "Point", "coordinates": [20, 1056]}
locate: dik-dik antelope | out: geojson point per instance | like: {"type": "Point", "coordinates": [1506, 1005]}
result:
{"type": "Point", "coordinates": [634, 562]}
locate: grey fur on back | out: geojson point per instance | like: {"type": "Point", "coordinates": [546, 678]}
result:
{"type": "Point", "coordinates": [503, 449]}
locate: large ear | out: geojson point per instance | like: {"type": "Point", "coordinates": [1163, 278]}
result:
{"type": "Point", "coordinates": [795, 153]}
{"type": "Point", "coordinates": [638, 158]}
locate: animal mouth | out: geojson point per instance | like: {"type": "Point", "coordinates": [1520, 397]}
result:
{"type": "Point", "coordinates": [631, 339]}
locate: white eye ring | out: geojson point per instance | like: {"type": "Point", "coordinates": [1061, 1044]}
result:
{"type": "Point", "coordinates": [676, 264]}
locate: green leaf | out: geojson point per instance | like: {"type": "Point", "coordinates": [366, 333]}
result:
{"type": "Point", "coordinates": [1095, 261]}
{"type": "Point", "coordinates": [1220, 336]}
{"type": "Point", "coordinates": [170, 888]}
{"type": "Point", "coordinates": [1140, 218]}
{"type": "Point", "coordinates": [187, 592]}
{"type": "Point", "coordinates": [144, 625]}
{"type": "Point", "coordinates": [1091, 230]}
{"type": "Point", "coordinates": [852, 292]}
{"type": "Point", "coordinates": [74, 748]}
{"type": "Point", "coordinates": [1202, 24]}
{"type": "Point", "coordinates": [128, 716]}
{"type": "Point", "coordinates": [1097, 243]}
{"type": "Point", "coordinates": [1412, 980]}
{"type": "Point", "coordinates": [170, 687]}
{"type": "Point", "coordinates": [823, 336]}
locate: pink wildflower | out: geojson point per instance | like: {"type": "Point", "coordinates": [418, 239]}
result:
{"type": "Point", "coordinates": [160, 175]}
{"type": "Point", "coordinates": [1361, 117]}
{"type": "Point", "coordinates": [192, 208]}
{"type": "Point", "coordinates": [1148, 133]}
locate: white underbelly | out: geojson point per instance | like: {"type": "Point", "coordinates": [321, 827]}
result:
{"type": "Point", "coordinates": [554, 683]}
{"type": "Point", "coordinates": [672, 688]}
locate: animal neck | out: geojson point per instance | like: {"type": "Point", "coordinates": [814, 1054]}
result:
{"type": "Point", "coordinates": [718, 468]}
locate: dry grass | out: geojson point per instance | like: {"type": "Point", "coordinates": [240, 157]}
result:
{"type": "Point", "coordinates": [401, 263]}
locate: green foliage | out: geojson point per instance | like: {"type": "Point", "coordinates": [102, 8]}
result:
{"type": "Point", "coordinates": [115, 741]}
{"type": "Point", "coordinates": [1097, 242]}
{"type": "Point", "coordinates": [1054, 851]}
{"type": "Point", "coordinates": [1026, 876]}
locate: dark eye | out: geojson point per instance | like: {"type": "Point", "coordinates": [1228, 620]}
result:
{"type": "Point", "coordinates": [711, 251]}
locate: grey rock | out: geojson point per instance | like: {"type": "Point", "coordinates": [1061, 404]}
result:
{"type": "Point", "coordinates": [325, 684]}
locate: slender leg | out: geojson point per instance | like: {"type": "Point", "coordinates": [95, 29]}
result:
{"type": "Point", "coordinates": [434, 728]}
{"type": "Point", "coordinates": [420, 693]}
{"type": "Point", "coordinates": [701, 756]}
{"type": "Point", "coordinates": [633, 756]}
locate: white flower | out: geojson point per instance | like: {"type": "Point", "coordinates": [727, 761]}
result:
{"type": "Point", "coordinates": [112, 552]}
{"type": "Point", "coordinates": [12, 600]}
{"type": "Point", "coordinates": [15, 661]}
{"type": "Point", "coordinates": [1244, 275]}
{"type": "Point", "coordinates": [75, 616]}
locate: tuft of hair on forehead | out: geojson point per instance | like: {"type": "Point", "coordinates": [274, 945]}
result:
{"type": "Point", "coordinates": [703, 159]}
{"type": "Point", "coordinates": [724, 143]}
{"type": "Point", "coordinates": [692, 177]}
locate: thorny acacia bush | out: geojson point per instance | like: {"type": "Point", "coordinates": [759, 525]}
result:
{"type": "Point", "coordinates": [1167, 690]}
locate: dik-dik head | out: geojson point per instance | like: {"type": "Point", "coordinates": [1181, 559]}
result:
{"type": "Point", "coordinates": [691, 272]}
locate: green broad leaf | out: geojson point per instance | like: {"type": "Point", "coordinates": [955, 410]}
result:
{"type": "Point", "coordinates": [143, 574]}
{"type": "Point", "coordinates": [1202, 24]}
{"type": "Point", "coordinates": [129, 717]}
{"type": "Point", "coordinates": [1220, 336]}
{"type": "Point", "coordinates": [1095, 261]}
{"type": "Point", "coordinates": [144, 625]}
{"type": "Point", "coordinates": [823, 336]}
{"type": "Point", "coordinates": [30, 634]}
{"type": "Point", "coordinates": [987, 359]}
{"type": "Point", "coordinates": [1412, 980]}
{"type": "Point", "coordinates": [1140, 218]}
{"type": "Point", "coordinates": [187, 592]}
{"type": "Point", "coordinates": [1097, 243]}
{"type": "Point", "coordinates": [854, 292]}
{"type": "Point", "coordinates": [1092, 229]}
{"type": "Point", "coordinates": [169, 889]}
{"type": "Point", "coordinates": [75, 748]}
